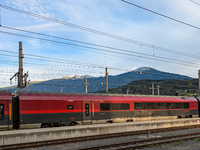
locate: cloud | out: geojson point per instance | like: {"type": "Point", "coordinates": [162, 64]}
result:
{"type": "Point", "coordinates": [113, 17]}
{"type": "Point", "coordinates": [34, 6]}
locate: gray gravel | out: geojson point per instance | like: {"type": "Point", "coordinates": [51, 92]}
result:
{"type": "Point", "coordinates": [185, 145]}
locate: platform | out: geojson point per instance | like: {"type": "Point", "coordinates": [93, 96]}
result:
{"type": "Point", "coordinates": [43, 134]}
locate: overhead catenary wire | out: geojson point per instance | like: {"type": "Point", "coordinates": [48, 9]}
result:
{"type": "Point", "coordinates": [94, 31]}
{"type": "Point", "coordinates": [152, 46]}
{"type": "Point", "coordinates": [161, 15]}
{"type": "Point", "coordinates": [126, 77]}
{"type": "Point", "coordinates": [79, 71]}
{"type": "Point", "coordinates": [195, 2]}
{"type": "Point", "coordinates": [147, 56]}
{"type": "Point", "coordinates": [36, 75]}
{"type": "Point", "coordinates": [80, 64]}
{"type": "Point", "coordinates": [120, 69]}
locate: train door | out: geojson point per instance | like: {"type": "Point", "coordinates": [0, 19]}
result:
{"type": "Point", "coordinates": [86, 111]}
{"type": "Point", "coordinates": [5, 115]}
{"type": "Point", "coordinates": [5, 110]}
{"type": "Point", "coordinates": [3, 120]}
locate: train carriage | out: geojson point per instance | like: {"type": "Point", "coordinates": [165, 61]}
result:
{"type": "Point", "coordinates": [57, 109]}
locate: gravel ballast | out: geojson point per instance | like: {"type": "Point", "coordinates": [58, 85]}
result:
{"type": "Point", "coordinates": [183, 145]}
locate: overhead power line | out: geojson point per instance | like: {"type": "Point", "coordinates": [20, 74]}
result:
{"type": "Point", "coordinates": [95, 31]}
{"type": "Point", "coordinates": [77, 64]}
{"type": "Point", "coordinates": [124, 52]}
{"type": "Point", "coordinates": [89, 65]}
{"type": "Point", "coordinates": [195, 2]}
{"type": "Point", "coordinates": [61, 38]}
{"type": "Point", "coordinates": [161, 14]}
{"type": "Point", "coordinates": [52, 66]}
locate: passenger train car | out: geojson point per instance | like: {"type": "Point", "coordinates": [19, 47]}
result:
{"type": "Point", "coordinates": [57, 109]}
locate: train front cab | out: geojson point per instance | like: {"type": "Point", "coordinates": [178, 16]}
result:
{"type": "Point", "coordinates": [5, 110]}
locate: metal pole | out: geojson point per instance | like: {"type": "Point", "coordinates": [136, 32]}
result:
{"type": "Point", "coordinates": [20, 76]}
{"type": "Point", "coordinates": [28, 85]}
{"type": "Point", "coordinates": [127, 91]}
{"type": "Point", "coordinates": [199, 84]}
{"type": "Point", "coordinates": [152, 88]}
{"type": "Point", "coordinates": [158, 90]}
{"type": "Point", "coordinates": [86, 85]}
{"type": "Point", "coordinates": [106, 80]}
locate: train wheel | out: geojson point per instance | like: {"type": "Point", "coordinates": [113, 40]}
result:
{"type": "Point", "coordinates": [179, 117]}
{"type": "Point", "coordinates": [52, 124]}
{"type": "Point", "coordinates": [43, 125]}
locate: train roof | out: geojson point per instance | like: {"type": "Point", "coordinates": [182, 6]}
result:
{"type": "Point", "coordinates": [95, 96]}
{"type": "Point", "coordinates": [5, 95]}
{"type": "Point", "coordinates": [5, 91]}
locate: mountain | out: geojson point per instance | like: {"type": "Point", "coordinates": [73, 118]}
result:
{"type": "Point", "coordinates": [166, 87]}
{"type": "Point", "coordinates": [77, 84]}
{"type": "Point", "coordinates": [74, 77]}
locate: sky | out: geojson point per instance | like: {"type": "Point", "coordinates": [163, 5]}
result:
{"type": "Point", "coordinates": [95, 34]}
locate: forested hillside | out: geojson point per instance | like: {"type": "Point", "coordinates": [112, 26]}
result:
{"type": "Point", "coordinates": [167, 87]}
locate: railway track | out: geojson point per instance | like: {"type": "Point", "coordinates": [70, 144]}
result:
{"type": "Point", "coordinates": [99, 137]}
{"type": "Point", "coordinates": [148, 142]}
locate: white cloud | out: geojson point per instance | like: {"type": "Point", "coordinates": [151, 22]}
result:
{"type": "Point", "coordinates": [113, 17]}
{"type": "Point", "coordinates": [34, 6]}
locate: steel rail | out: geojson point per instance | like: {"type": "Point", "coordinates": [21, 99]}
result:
{"type": "Point", "coordinates": [133, 146]}
{"type": "Point", "coordinates": [90, 138]}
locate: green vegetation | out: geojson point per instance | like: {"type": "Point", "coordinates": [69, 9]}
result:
{"type": "Point", "coordinates": [198, 139]}
{"type": "Point", "coordinates": [151, 146]}
{"type": "Point", "coordinates": [168, 87]}
{"type": "Point", "coordinates": [157, 145]}
{"type": "Point", "coordinates": [178, 143]}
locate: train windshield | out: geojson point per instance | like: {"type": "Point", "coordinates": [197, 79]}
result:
{"type": "Point", "coordinates": [1, 111]}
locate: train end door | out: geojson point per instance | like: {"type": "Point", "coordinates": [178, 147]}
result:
{"type": "Point", "coordinates": [5, 111]}
{"type": "Point", "coordinates": [86, 110]}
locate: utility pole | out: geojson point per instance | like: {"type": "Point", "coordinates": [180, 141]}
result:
{"type": "Point", "coordinates": [152, 88]}
{"type": "Point", "coordinates": [28, 85]}
{"type": "Point", "coordinates": [61, 89]}
{"type": "Point", "coordinates": [158, 89]}
{"type": "Point", "coordinates": [20, 75]}
{"type": "Point", "coordinates": [106, 80]}
{"type": "Point", "coordinates": [199, 84]}
{"type": "Point", "coordinates": [127, 91]}
{"type": "Point", "coordinates": [86, 85]}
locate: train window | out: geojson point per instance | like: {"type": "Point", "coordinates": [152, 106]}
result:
{"type": "Point", "coordinates": [125, 106]}
{"type": "Point", "coordinates": [170, 105]}
{"type": "Point", "coordinates": [86, 109]}
{"type": "Point", "coordinates": [185, 105]}
{"type": "Point", "coordinates": [160, 105]}
{"type": "Point", "coordinates": [70, 106]}
{"type": "Point", "coordinates": [1, 111]}
{"type": "Point", "coordinates": [105, 106]}
{"type": "Point", "coordinates": [178, 105]}
{"type": "Point", "coordinates": [150, 106]}
{"type": "Point", "coordinates": [114, 106]}
{"type": "Point", "coordinates": [138, 106]}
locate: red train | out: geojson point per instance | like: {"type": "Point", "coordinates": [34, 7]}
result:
{"type": "Point", "coordinates": [56, 109]}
